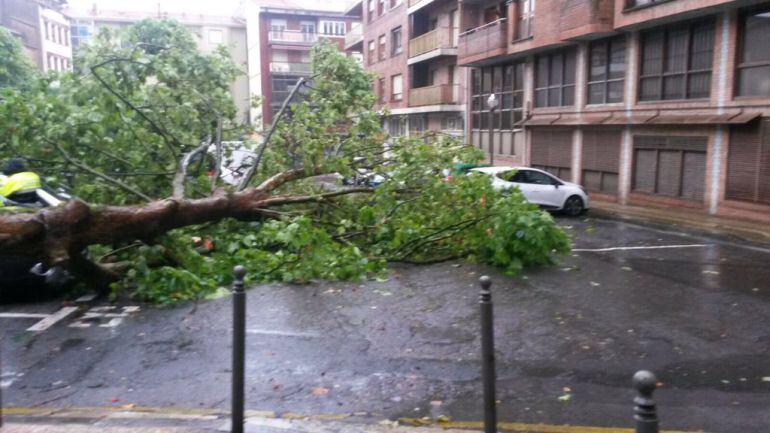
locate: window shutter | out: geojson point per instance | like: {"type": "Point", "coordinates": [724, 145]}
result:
{"type": "Point", "coordinates": [601, 157]}
{"type": "Point", "coordinates": [748, 163]}
{"type": "Point", "coordinates": [552, 151]}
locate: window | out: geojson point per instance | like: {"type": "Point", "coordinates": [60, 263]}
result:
{"type": "Point", "coordinates": [382, 53]}
{"type": "Point", "coordinates": [397, 126]}
{"type": "Point", "coordinates": [370, 53]}
{"type": "Point", "coordinates": [394, 3]}
{"type": "Point", "coordinates": [670, 166]}
{"type": "Point", "coordinates": [396, 88]}
{"type": "Point", "coordinates": [47, 26]}
{"type": "Point", "coordinates": [754, 55]}
{"type": "Point", "coordinates": [748, 163]}
{"type": "Point", "coordinates": [607, 71]}
{"type": "Point", "coordinates": [277, 28]}
{"type": "Point", "coordinates": [507, 82]}
{"type": "Point", "coordinates": [396, 46]}
{"type": "Point", "coordinates": [635, 3]}
{"type": "Point", "coordinates": [215, 36]}
{"type": "Point", "coordinates": [601, 159]}
{"type": "Point", "coordinates": [333, 28]}
{"type": "Point", "coordinates": [525, 19]}
{"type": "Point", "coordinates": [381, 7]}
{"type": "Point", "coordinates": [555, 79]}
{"type": "Point", "coordinates": [533, 177]}
{"type": "Point", "coordinates": [370, 10]}
{"type": "Point", "coordinates": [676, 62]}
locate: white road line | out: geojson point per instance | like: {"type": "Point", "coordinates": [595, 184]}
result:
{"type": "Point", "coordinates": [22, 316]}
{"type": "Point", "coordinates": [651, 247]}
{"type": "Point", "coordinates": [52, 319]}
{"type": "Point", "coordinates": [282, 333]}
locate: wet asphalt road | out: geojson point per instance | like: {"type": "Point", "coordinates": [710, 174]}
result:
{"type": "Point", "coordinates": [569, 337]}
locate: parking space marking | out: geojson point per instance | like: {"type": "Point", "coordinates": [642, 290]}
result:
{"type": "Point", "coordinates": [22, 316]}
{"type": "Point", "coordinates": [104, 317]}
{"type": "Point", "coordinates": [651, 247]}
{"type": "Point", "coordinates": [51, 320]}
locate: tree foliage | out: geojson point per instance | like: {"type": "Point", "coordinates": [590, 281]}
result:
{"type": "Point", "coordinates": [16, 71]}
{"type": "Point", "coordinates": [145, 98]}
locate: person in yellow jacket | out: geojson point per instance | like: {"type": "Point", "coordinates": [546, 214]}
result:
{"type": "Point", "coordinates": [19, 184]}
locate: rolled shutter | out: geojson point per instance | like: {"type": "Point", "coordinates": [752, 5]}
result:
{"type": "Point", "coordinates": [552, 151]}
{"type": "Point", "coordinates": [600, 160]}
{"type": "Point", "coordinates": [748, 163]}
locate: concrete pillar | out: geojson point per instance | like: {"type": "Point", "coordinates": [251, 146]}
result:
{"type": "Point", "coordinates": [715, 174]}
{"type": "Point", "coordinates": [511, 22]}
{"type": "Point", "coordinates": [581, 56]}
{"type": "Point", "coordinates": [577, 155]}
{"type": "Point", "coordinates": [632, 74]}
{"type": "Point", "coordinates": [624, 172]}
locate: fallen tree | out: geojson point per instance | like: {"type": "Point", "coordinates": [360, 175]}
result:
{"type": "Point", "coordinates": [132, 134]}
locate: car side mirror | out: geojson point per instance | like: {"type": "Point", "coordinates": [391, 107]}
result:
{"type": "Point", "coordinates": [556, 185]}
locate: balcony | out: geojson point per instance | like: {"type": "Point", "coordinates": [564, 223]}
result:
{"type": "Point", "coordinates": [434, 95]}
{"type": "Point", "coordinates": [483, 42]}
{"type": "Point", "coordinates": [290, 68]}
{"type": "Point", "coordinates": [292, 37]}
{"type": "Point", "coordinates": [438, 40]}
{"type": "Point", "coordinates": [354, 37]}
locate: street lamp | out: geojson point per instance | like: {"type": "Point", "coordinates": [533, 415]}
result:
{"type": "Point", "coordinates": [492, 104]}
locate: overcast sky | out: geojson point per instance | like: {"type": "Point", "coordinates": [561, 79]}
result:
{"type": "Point", "coordinates": [210, 7]}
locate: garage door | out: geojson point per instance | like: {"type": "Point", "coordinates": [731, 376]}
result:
{"type": "Point", "coordinates": [670, 166]}
{"type": "Point", "coordinates": [552, 151]}
{"type": "Point", "coordinates": [748, 163]}
{"type": "Point", "coordinates": [601, 158]}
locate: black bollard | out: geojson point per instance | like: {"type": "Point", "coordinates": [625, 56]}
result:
{"type": "Point", "coordinates": [645, 413]}
{"type": "Point", "coordinates": [488, 356]}
{"type": "Point", "coordinates": [239, 349]}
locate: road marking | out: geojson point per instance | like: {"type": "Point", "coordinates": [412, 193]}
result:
{"type": "Point", "coordinates": [22, 316]}
{"type": "Point", "coordinates": [105, 316]}
{"type": "Point", "coordinates": [282, 333]}
{"type": "Point", "coordinates": [651, 247]}
{"type": "Point", "coordinates": [7, 379]}
{"type": "Point", "coordinates": [52, 319]}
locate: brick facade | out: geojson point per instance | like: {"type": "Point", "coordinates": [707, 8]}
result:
{"type": "Point", "coordinates": [689, 135]}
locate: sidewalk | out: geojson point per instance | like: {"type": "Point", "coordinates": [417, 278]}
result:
{"type": "Point", "coordinates": [683, 219]}
{"type": "Point", "coordinates": [152, 420]}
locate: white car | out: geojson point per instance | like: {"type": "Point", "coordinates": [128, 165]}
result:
{"type": "Point", "coordinates": [539, 187]}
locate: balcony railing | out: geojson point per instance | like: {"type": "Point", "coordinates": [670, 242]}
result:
{"type": "Point", "coordinates": [354, 36]}
{"type": "Point", "coordinates": [434, 95]}
{"type": "Point", "coordinates": [290, 67]}
{"type": "Point", "coordinates": [292, 36]}
{"type": "Point", "coordinates": [441, 37]}
{"type": "Point", "coordinates": [483, 39]}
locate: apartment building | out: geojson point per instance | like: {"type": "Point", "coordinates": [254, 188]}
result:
{"type": "Point", "coordinates": [42, 29]}
{"type": "Point", "coordinates": [281, 35]}
{"type": "Point", "coordinates": [648, 102]}
{"type": "Point", "coordinates": [209, 31]}
{"type": "Point", "coordinates": [412, 48]}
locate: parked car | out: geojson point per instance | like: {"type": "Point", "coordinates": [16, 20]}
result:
{"type": "Point", "coordinates": [539, 187]}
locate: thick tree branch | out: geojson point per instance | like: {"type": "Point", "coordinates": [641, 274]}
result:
{"type": "Point", "coordinates": [181, 174]}
{"type": "Point", "coordinates": [218, 158]}
{"type": "Point", "coordinates": [255, 165]}
{"type": "Point", "coordinates": [294, 199]}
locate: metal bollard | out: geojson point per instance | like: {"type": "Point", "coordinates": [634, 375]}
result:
{"type": "Point", "coordinates": [488, 356]}
{"type": "Point", "coordinates": [239, 349]}
{"type": "Point", "coordinates": [645, 413]}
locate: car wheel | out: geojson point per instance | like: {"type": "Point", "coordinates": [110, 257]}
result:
{"type": "Point", "coordinates": [573, 206]}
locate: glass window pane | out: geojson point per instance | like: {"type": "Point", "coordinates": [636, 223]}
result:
{"type": "Point", "coordinates": [673, 87]}
{"type": "Point", "coordinates": [598, 63]}
{"type": "Point", "coordinates": [486, 84]}
{"type": "Point", "coordinates": [497, 81]}
{"type": "Point", "coordinates": [475, 81]}
{"type": "Point", "coordinates": [518, 100]}
{"type": "Point", "coordinates": [618, 58]}
{"type": "Point", "coordinates": [476, 121]}
{"type": "Point", "coordinates": [649, 89]}
{"type": "Point", "coordinates": [541, 98]}
{"type": "Point", "coordinates": [676, 50]}
{"type": "Point", "coordinates": [699, 85]}
{"type": "Point", "coordinates": [557, 65]}
{"type": "Point", "coordinates": [569, 95]}
{"type": "Point", "coordinates": [518, 76]}
{"type": "Point", "coordinates": [506, 120]}
{"type": "Point", "coordinates": [615, 91]}
{"type": "Point", "coordinates": [541, 79]}
{"type": "Point", "coordinates": [756, 37]}
{"type": "Point", "coordinates": [754, 81]}
{"type": "Point", "coordinates": [554, 97]}
{"type": "Point", "coordinates": [507, 101]}
{"type": "Point", "coordinates": [569, 67]}
{"type": "Point", "coordinates": [596, 93]}
{"type": "Point", "coordinates": [652, 53]}
{"type": "Point", "coordinates": [508, 79]}
{"type": "Point", "coordinates": [702, 46]}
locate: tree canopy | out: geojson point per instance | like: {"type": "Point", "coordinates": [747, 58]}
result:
{"type": "Point", "coordinates": [131, 133]}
